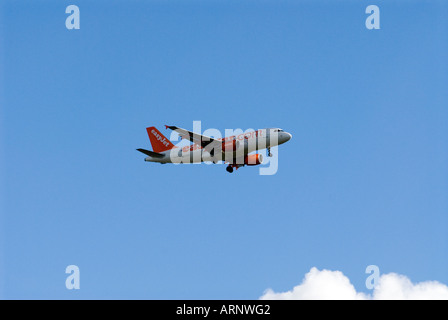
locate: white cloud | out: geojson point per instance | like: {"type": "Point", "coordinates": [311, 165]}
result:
{"type": "Point", "coordinates": [395, 286]}
{"type": "Point", "coordinates": [334, 285]}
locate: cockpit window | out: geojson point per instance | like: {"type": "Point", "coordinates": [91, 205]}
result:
{"type": "Point", "coordinates": [278, 130]}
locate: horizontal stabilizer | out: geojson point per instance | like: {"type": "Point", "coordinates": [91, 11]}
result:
{"type": "Point", "coordinates": [151, 153]}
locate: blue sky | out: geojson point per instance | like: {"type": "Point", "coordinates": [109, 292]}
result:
{"type": "Point", "coordinates": [363, 181]}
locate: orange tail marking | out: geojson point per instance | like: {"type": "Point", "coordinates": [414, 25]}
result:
{"type": "Point", "coordinates": [159, 142]}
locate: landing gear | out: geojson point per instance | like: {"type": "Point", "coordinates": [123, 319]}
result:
{"type": "Point", "coordinates": [229, 169]}
{"type": "Point", "coordinates": [269, 152]}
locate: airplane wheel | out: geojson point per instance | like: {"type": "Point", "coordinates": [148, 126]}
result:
{"type": "Point", "coordinates": [229, 169]}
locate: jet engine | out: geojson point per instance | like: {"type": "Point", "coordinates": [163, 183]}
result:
{"type": "Point", "coordinates": [253, 159]}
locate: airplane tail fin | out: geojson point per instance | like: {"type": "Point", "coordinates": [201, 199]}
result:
{"type": "Point", "coordinates": [159, 142]}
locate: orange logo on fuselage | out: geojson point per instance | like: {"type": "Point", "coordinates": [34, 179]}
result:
{"type": "Point", "coordinates": [240, 137]}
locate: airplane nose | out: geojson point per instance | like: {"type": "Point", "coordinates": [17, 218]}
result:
{"type": "Point", "coordinates": [288, 136]}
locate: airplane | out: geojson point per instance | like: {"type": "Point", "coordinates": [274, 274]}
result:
{"type": "Point", "coordinates": [234, 150]}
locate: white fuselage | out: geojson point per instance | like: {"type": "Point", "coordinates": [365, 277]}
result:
{"type": "Point", "coordinates": [245, 144]}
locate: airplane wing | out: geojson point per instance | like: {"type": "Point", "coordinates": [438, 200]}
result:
{"type": "Point", "coordinates": [200, 140]}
